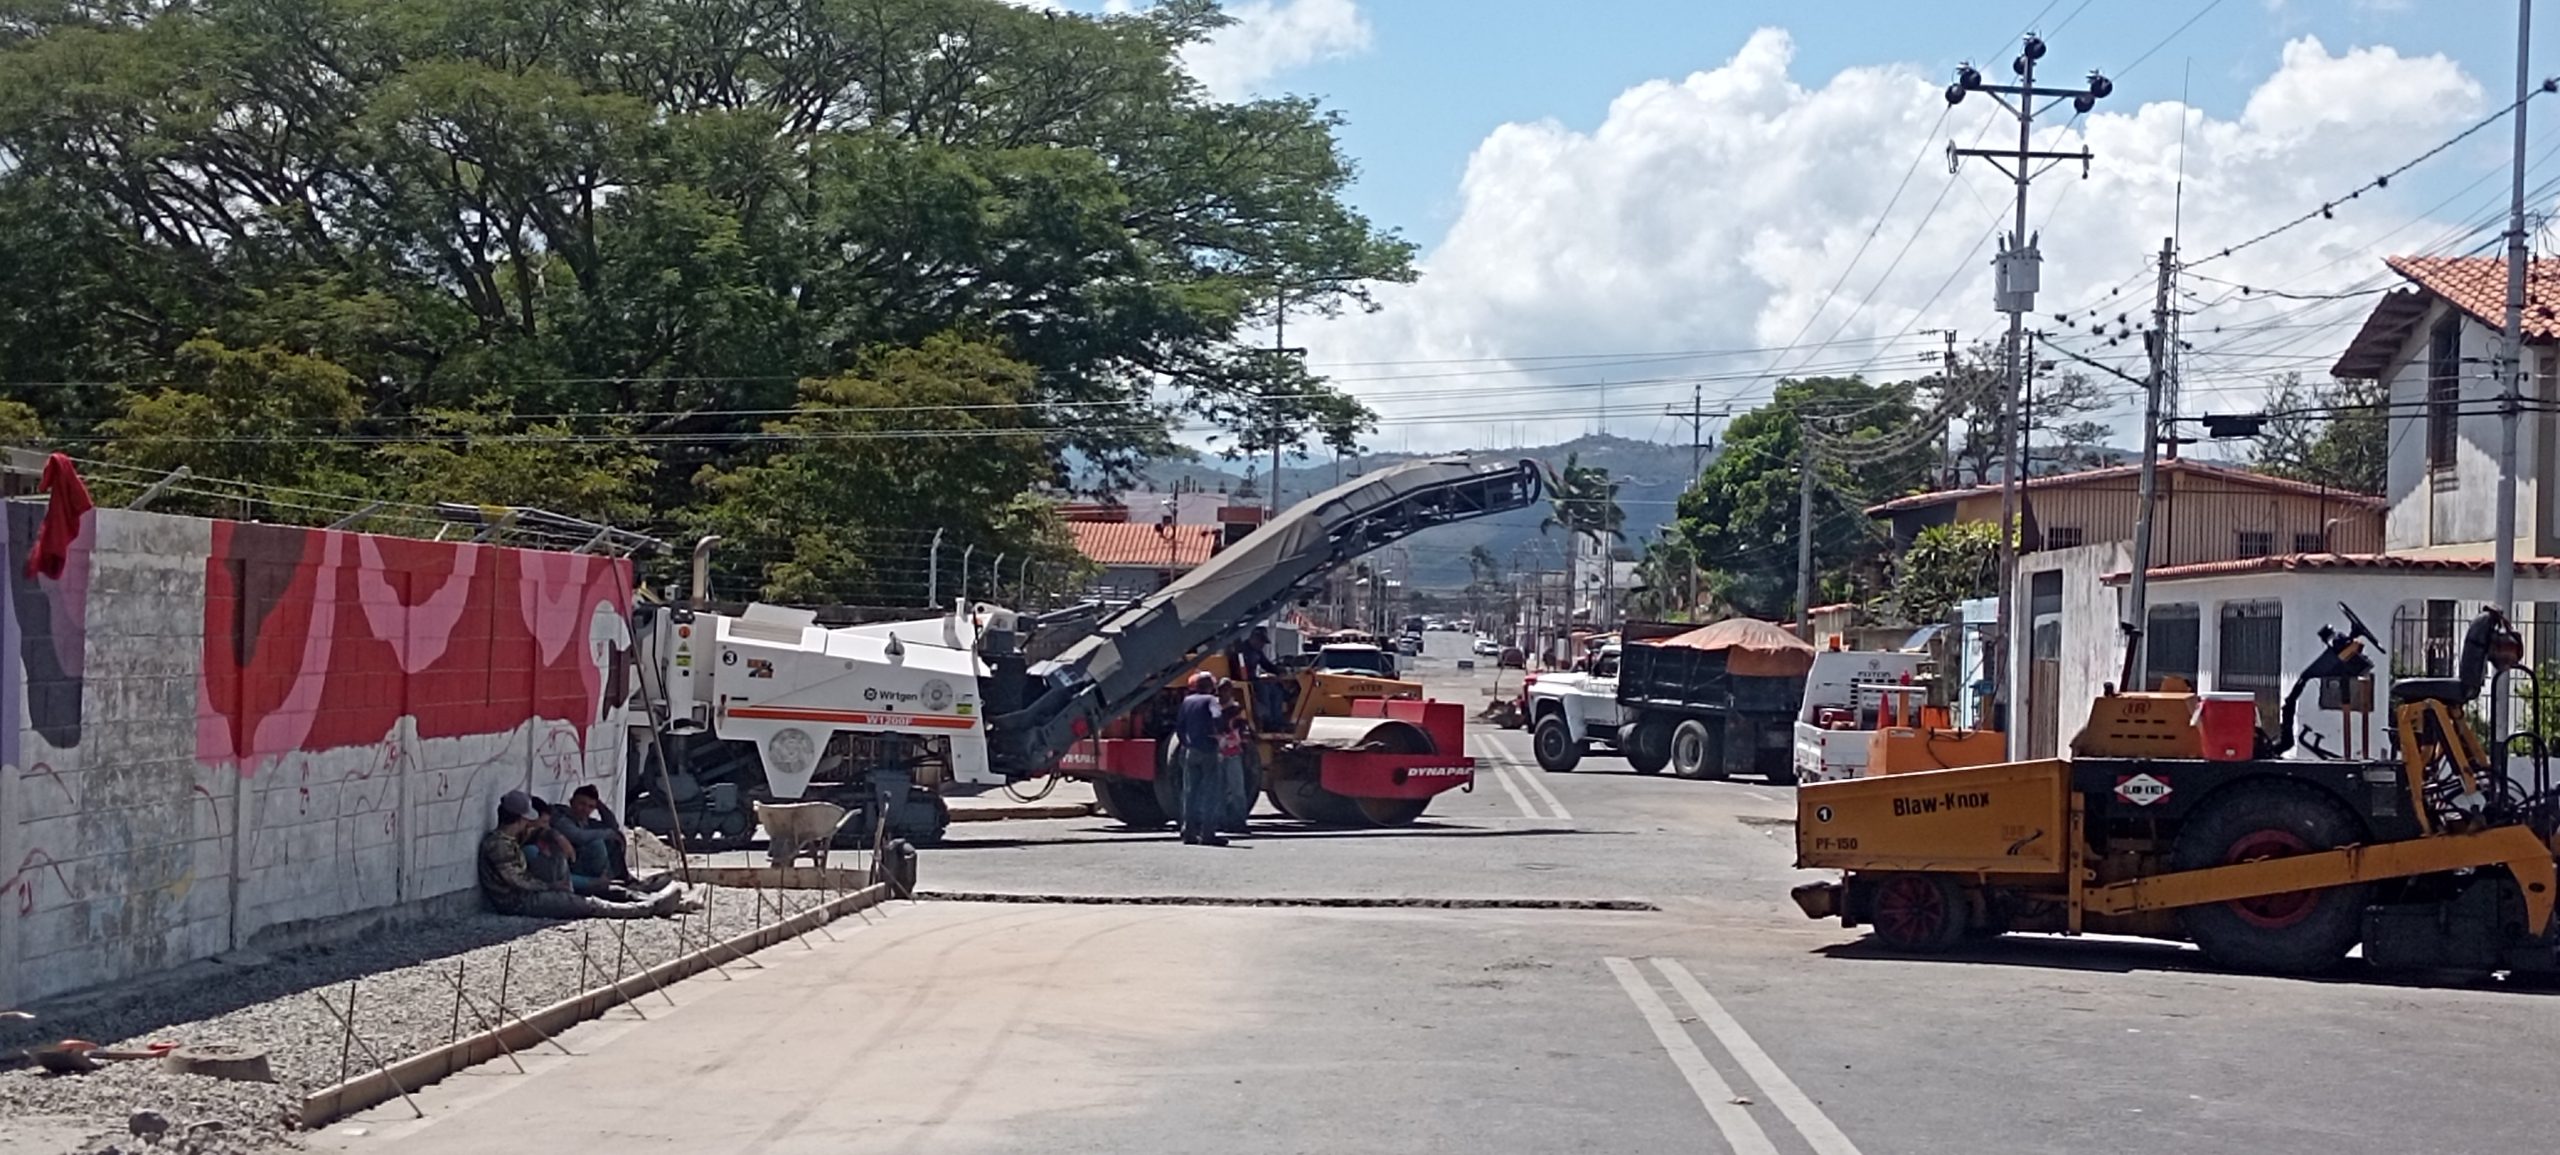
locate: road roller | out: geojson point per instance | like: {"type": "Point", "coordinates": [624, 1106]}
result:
{"type": "Point", "coordinates": [2173, 819]}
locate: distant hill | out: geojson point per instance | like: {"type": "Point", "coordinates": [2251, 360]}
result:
{"type": "Point", "coordinates": [1654, 476]}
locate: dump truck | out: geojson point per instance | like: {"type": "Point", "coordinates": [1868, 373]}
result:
{"type": "Point", "coordinates": [1713, 702]}
{"type": "Point", "coordinates": [767, 705]}
{"type": "Point", "coordinates": [2178, 817]}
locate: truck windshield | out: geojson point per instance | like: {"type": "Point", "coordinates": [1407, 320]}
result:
{"type": "Point", "coordinates": [1355, 659]}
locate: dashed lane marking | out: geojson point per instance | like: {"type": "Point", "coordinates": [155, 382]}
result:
{"type": "Point", "coordinates": [1740, 1130]}
{"type": "Point", "coordinates": [1817, 1128]}
{"type": "Point", "coordinates": [1489, 755]}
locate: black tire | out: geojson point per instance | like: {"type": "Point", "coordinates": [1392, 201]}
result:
{"type": "Point", "coordinates": [1918, 913]}
{"type": "Point", "coordinates": [1696, 752]}
{"type": "Point", "coordinates": [1783, 776]}
{"type": "Point", "coordinates": [1168, 783]}
{"type": "Point", "coordinates": [1647, 745]}
{"type": "Point", "coordinates": [2298, 932]}
{"type": "Point", "coordinates": [1129, 802]}
{"type": "Point", "coordinates": [1558, 751]}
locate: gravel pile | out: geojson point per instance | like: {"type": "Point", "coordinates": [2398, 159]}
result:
{"type": "Point", "coordinates": [403, 985]}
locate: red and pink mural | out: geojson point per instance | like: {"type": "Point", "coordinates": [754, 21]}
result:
{"type": "Point", "coordinates": [317, 640]}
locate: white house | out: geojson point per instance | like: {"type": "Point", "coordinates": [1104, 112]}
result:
{"type": "Point", "coordinates": [2252, 623]}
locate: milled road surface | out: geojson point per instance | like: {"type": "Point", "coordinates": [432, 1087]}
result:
{"type": "Point", "coordinates": [1722, 1022]}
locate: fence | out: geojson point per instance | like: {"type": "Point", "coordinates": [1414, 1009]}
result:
{"type": "Point", "coordinates": [2426, 642]}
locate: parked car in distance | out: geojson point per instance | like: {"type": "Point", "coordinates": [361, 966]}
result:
{"type": "Point", "coordinates": [1488, 647]}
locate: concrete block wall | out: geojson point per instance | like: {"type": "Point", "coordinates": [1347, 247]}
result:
{"type": "Point", "coordinates": [213, 735]}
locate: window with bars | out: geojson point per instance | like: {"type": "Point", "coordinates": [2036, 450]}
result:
{"type": "Point", "coordinates": [2249, 653]}
{"type": "Point", "coordinates": [2311, 542]}
{"type": "Point", "coordinates": [2062, 537]}
{"type": "Point", "coordinates": [2444, 391]}
{"type": "Point", "coordinates": [2253, 543]}
{"type": "Point", "coordinates": [2171, 641]}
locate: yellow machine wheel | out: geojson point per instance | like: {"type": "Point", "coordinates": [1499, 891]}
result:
{"type": "Point", "coordinates": [1129, 802]}
{"type": "Point", "coordinates": [1919, 913]}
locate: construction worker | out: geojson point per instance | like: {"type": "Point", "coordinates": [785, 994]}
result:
{"type": "Point", "coordinates": [1233, 731]}
{"type": "Point", "coordinates": [513, 889]}
{"type": "Point", "coordinates": [1270, 696]}
{"type": "Point", "coordinates": [1204, 794]}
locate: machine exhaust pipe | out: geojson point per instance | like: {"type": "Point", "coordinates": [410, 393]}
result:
{"type": "Point", "coordinates": [702, 570]}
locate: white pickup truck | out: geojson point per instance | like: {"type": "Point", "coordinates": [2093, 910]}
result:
{"type": "Point", "coordinates": [1845, 697]}
{"type": "Point", "coordinates": [1572, 712]}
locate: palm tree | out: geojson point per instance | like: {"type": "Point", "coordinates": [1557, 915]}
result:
{"type": "Point", "coordinates": [1583, 500]}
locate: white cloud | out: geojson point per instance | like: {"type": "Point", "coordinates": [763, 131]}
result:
{"type": "Point", "coordinates": [1715, 212]}
{"type": "Point", "coordinates": [1268, 40]}
{"type": "Point", "coordinates": [1273, 37]}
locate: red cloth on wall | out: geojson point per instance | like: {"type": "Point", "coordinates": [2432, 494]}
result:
{"type": "Point", "coordinates": [61, 518]}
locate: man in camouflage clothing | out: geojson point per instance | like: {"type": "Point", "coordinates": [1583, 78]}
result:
{"type": "Point", "coordinates": [512, 889]}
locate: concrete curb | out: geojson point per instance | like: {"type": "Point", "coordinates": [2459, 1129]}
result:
{"type": "Point", "coordinates": [1010, 811]}
{"type": "Point", "coordinates": [330, 1104]}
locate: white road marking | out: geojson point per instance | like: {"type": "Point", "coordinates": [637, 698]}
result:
{"type": "Point", "coordinates": [1818, 1130]}
{"type": "Point", "coordinates": [1740, 1129]}
{"type": "Point", "coordinates": [1491, 759]}
{"type": "Point", "coordinates": [1529, 778]}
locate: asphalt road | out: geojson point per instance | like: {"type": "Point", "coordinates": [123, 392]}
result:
{"type": "Point", "coordinates": [1721, 1022]}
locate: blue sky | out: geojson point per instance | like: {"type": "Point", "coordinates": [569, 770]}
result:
{"type": "Point", "coordinates": [1441, 74]}
{"type": "Point", "coordinates": [1618, 203]}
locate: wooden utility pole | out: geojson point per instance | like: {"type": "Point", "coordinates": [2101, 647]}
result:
{"type": "Point", "coordinates": [2137, 614]}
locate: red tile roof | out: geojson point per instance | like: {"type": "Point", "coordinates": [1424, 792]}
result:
{"type": "Point", "coordinates": [2180, 466]}
{"type": "Point", "coordinates": [2475, 285]}
{"type": "Point", "coordinates": [1144, 543]}
{"type": "Point", "coordinates": [2372, 562]}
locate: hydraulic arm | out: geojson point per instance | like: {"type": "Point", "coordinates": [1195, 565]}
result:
{"type": "Point", "coordinates": [1037, 710]}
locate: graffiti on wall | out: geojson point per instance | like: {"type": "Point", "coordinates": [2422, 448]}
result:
{"type": "Point", "coordinates": [48, 626]}
{"type": "Point", "coordinates": [316, 640]}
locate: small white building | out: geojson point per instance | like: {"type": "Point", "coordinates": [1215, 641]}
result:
{"type": "Point", "coordinates": [2252, 623]}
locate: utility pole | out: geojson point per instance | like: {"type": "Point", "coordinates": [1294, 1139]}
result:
{"type": "Point", "coordinates": [1697, 415]}
{"type": "Point", "coordinates": [1804, 530]}
{"type": "Point", "coordinates": [2502, 573]}
{"type": "Point", "coordinates": [2015, 294]}
{"type": "Point", "coordinates": [1947, 456]}
{"type": "Point", "coordinates": [1279, 356]}
{"type": "Point", "coordinates": [2137, 611]}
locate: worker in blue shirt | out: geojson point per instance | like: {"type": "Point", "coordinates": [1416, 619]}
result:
{"type": "Point", "coordinates": [1204, 795]}
{"type": "Point", "coordinates": [1253, 664]}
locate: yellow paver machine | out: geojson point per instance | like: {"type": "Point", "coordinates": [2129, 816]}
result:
{"type": "Point", "coordinates": [2435, 858]}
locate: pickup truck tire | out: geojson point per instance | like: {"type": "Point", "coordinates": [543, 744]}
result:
{"type": "Point", "coordinates": [1695, 753]}
{"type": "Point", "coordinates": [1555, 745]}
{"type": "Point", "coordinates": [1647, 745]}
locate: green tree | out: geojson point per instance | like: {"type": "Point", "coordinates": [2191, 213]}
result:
{"type": "Point", "coordinates": [659, 217]}
{"type": "Point", "coordinates": [20, 426]}
{"type": "Point", "coordinates": [852, 486]}
{"type": "Point", "coordinates": [1582, 500]}
{"type": "Point", "coordinates": [2337, 434]}
{"type": "Point", "coordinates": [1944, 565]}
{"type": "Point", "coordinates": [265, 413]}
{"type": "Point", "coordinates": [484, 456]}
{"type": "Point", "coordinates": [2057, 410]}
{"type": "Point", "coordinates": [1741, 516]}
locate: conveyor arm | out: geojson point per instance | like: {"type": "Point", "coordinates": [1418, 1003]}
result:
{"type": "Point", "coordinates": [1125, 662]}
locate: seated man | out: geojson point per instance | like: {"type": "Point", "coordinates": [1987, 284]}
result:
{"type": "Point", "coordinates": [514, 889]}
{"type": "Point", "coordinates": [595, 838]}
{"type": "Point", "coordinates": [1270, 696]}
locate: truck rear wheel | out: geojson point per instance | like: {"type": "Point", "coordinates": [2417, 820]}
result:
{"type": "Point", "coordinates": [1558, 750]}
{"type": "Point", "coordinates": [1129, 802]}
{"type": "Point", "coordinates": [1647, 745]}
{"type": "Point", "coordinates": [1695, 751]}
{"type": "Point", "coordinates": [2295, 932]}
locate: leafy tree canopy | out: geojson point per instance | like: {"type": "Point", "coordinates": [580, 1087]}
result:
{"type": "Point", "coordinates": [615, 237]}
{"type": "Point", "coordinates": [1740, 519]}
{"type": "Point", "coordinates": [2336, 434]}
